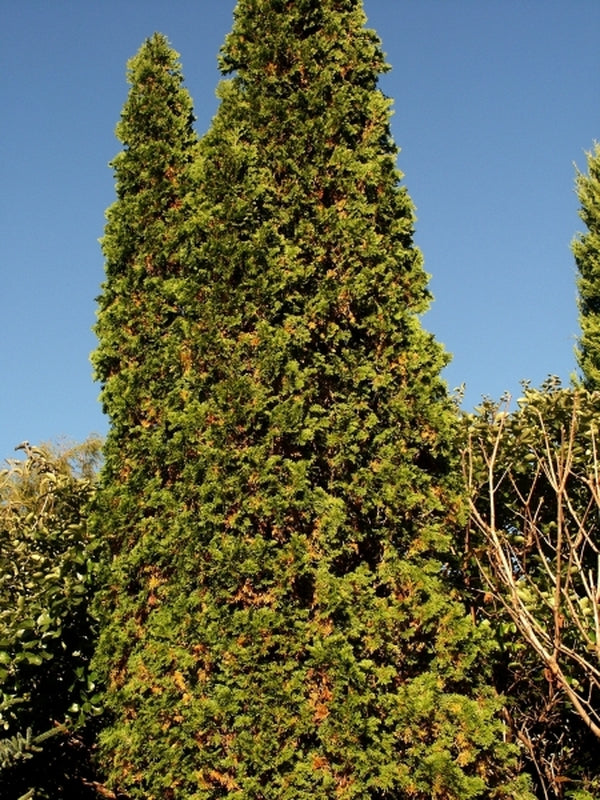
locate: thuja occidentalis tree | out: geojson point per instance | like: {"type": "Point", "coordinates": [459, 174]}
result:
{"type": "Point", "coordinates": [586, 249]}
{"type": "Point", "coordinates": [295, 630]}
{"type": "Point", "coordinates": [141, 356]}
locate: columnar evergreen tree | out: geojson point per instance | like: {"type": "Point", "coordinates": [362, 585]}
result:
{"type": "Point", "coordinates": [586, 249]}
{"type": "Point", "coordinates": [141, 328]}
{"type": "Point", "coordinates": [293, 626]}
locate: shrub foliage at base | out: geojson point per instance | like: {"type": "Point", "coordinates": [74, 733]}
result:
{"type": "Point", "coordinates": [48, 573]}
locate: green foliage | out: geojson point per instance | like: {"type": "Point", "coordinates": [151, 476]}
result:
{"type": "Point", "coordinates": [47, 577]}
{"type": "Point", "coordinates": [142, 358]}
{"type": "Point", "coordinates": [140, 302]}
{"type": "Point", "coordinates": [586, 249]}
{"type": "Point", "coordinates": [280, 488]}
{"type": "Point", "coordinates": [533, 476]}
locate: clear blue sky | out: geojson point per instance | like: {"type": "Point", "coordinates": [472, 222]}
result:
{"type": "Point", "coordinates": [494, 101]}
